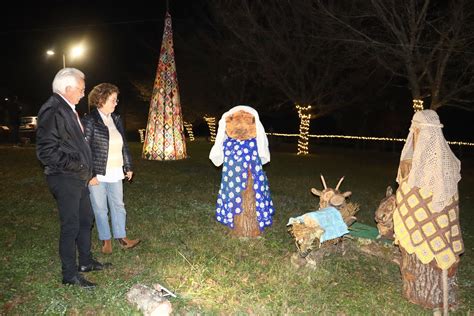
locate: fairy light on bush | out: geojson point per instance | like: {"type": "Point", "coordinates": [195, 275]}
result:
{"type": "Point", "coordinates": [141, 131]}
{"type": "Point", "coordinates": [189, 130]}
{"type": "Point", "coordinates": [304, 129]}
{"type": "Point", "coordinates": [211, 123]}
{"type": "Point", "coordinates": [417, 105]}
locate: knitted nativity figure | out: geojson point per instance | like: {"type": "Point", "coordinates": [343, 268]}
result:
{"type": "Point", "coordinates": [243, 203]}
{"type": "Point", "coordinates": [426, 218]}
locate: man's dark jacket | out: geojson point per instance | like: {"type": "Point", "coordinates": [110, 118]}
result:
{"type": "Point", "coordinates": [60, 143]}
{"type": "Point", "coordinates": [97, 135]}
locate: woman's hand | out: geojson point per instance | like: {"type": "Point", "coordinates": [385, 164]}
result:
{"type": "Point", "coordinates": [94, 181]}
{"type": "Point", "coordinates": [129, 175]}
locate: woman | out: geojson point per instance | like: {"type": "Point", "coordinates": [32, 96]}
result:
{"type": "Point", "coordinates": [111, 164]}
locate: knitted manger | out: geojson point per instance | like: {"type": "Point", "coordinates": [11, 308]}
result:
{"type": "Point", "coordinates": [315, 230]}
{"type": "Point", "coordinates": [326, 226]}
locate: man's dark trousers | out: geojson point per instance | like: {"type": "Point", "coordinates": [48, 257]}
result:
{"type": "Point", "coordinates": [76, 217]}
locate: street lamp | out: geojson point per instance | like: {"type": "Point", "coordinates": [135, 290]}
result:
{"type": "Point", "coordinates": [51, 53]}
{"type": "Point", "coordinates": [76, 51]}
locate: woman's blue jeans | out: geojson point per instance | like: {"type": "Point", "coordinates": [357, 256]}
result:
{"type": "Point", "coordinates": [105, 197]}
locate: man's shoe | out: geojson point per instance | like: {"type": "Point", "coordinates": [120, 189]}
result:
{"type": "Point", "coordinates": [79, 280]}
{"type": "Point", "coordinates": [94, 266]}
{"type": "Point", "coordinates": [128, 243]}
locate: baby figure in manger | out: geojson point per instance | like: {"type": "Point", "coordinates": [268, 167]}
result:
{"type": "Point", "coordinates": [243, 203]}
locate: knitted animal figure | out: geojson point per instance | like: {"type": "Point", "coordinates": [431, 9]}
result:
{"type": "Point", "coordinates": [337, 199]}
{"type": "Point", "coordinates": [244, 202]}
{"type": "Point", "coordinates": [384, 214]}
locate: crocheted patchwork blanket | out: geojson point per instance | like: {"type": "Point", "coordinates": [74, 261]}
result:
{"type": "Point", "coordinates": [419, 229]}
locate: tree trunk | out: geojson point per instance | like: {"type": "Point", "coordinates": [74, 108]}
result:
{"type": "Point", "coordinates": [423, 284]}
{"type": "Point", "coordinates": [245, 224]}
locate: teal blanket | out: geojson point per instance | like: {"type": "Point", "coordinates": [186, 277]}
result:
{"type": "Point", "coordinates": [329, 219]}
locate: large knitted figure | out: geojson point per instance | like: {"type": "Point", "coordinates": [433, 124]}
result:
{"type": "Point", "coordinates": [426, 218]}
{"type": "Point", "coordinates": [244, 202]}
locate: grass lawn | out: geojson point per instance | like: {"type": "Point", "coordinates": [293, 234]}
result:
{"type": "Point", "coordinates": [171, 206]}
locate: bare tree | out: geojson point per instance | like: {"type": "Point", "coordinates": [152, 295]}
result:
{"type": "Point", "coordinates": [281, 42]}
{"type": "Point", "coordinates": [430, 44]}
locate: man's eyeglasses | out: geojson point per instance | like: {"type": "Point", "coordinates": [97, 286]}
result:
{"type": "Point", "coordinates": [81, 90]}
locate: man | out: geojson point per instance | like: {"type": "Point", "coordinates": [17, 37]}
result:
{"type": "Point", "coordinates": [67, 160]}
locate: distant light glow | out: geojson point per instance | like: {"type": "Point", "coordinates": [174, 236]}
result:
{"type": "Point", "coordinates": [77, 51]}
{"type": "Point", "coordinates": [50, 52]}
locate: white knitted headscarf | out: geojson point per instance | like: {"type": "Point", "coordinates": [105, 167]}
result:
{"type": "Point", "coordinates": [434, 166]}
{"type": "Point", "coordinates": [217, 151]}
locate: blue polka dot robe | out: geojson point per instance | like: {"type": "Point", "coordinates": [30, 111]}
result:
{"type": "Point", "coordinates": [239, 156]}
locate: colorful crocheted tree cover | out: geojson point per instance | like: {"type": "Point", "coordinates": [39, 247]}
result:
{"type": "Point", "coordinates": [164, 139]}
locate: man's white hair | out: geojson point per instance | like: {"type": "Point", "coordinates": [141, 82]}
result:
{"type": "Point", "coordinates": [66, 77]}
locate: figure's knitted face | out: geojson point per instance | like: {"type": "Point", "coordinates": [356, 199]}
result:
{"type": "Point", "coordinates": [241, 125]}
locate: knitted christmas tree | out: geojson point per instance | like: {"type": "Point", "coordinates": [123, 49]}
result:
{"type": "Point", "coordinates": [164, 139]}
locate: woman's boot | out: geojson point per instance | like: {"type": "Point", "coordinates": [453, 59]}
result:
{"type": "Point", "coordinates": [128, 243]}
{"type": "Point", "coordinates": [106, 246]}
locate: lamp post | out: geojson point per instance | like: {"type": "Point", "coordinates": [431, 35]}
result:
{"type": "Point", "coordinates": [52, 52]}
{"type": "Point", "coordinates": [76, 51]}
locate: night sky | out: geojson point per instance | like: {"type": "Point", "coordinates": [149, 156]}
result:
{"type": "Point", "coordinates": [123, 39]}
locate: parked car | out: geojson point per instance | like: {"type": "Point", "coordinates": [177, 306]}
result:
{"type": "Point", "coordinates": [4, 133]}
{"type": "Point", "coordinates": [27, 130]}
{"type": "Point", "coordinates": [28, 123]}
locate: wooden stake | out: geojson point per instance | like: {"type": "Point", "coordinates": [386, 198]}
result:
{"type": "Point", "coordinates": [445, 292]}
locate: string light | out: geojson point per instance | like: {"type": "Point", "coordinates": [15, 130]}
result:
{"type": "Point", "coordinates": [305, 118]}
{"type": "Point", "coordinates": [388, 139]}
{"type": "Point", "coordinates": [189, 130]}
{"type": "Point", "coordinates": [461, 143]}
{"type": "Point", "coordinates": [211, 123]}
{"type": "Point", "coordinates": [364, 138]}
{"type": "Point", "coordinates": [303, 147]}
{"type": "Point", "coordinates": [417, 105]}
{"type": "Point", "coordinates": [141, 131]}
